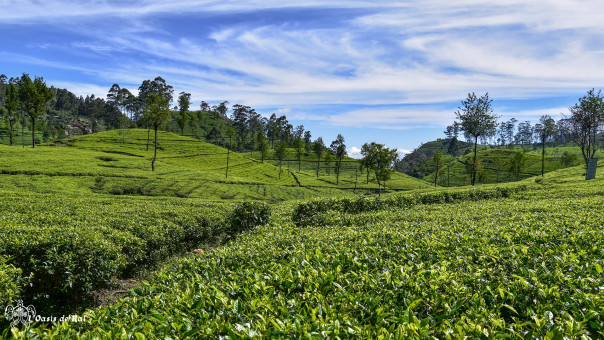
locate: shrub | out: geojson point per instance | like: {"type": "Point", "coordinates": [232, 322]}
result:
{"type": "Point", "coordinates": [248, 215]}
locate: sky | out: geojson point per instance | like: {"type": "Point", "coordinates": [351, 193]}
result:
{"type": "Point", "coordinates": [393, 72]}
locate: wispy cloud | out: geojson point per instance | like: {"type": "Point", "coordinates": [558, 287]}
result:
{"type": "Point", "coordinates": [389, 56]}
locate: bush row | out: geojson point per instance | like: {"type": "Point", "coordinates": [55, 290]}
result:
{"type": "Point", "coordinates": [313, 212]}
{"type": "Point", "coordinates": [70, 247]}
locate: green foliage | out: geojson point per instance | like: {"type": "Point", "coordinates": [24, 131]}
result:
{"type": "Point", "coordinates": [517, 163]}
{"type": "Point", "coordinates": [246, 216]}
{"type": "Point", "coordinates": [569, 159]}
{"type": "Point", "coordinates": [525, 266]}
{"type": "Point", "coordinates": [11, 285]}
{"type": "Point", "coordinates": [69, 247]}
{"type": "Point", "coordinates": [321, 211]}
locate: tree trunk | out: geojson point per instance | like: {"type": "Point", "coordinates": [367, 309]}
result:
{"type": "Point", "coordinates": [11, 133]}
{"type": "Point", "coordinates": [148, 136]}
{"type": "Point", "coordinates": [155, 151]}
{"type": "Point", "coordinates": [280, 161]}
{"type": "Point", "coordinates": [228, 153]}
{"type": "Point", "coordinates": [543, 157]}
{"type": "Point", "coordinates": [22, 129]}
{"type": "Point", "coordinates": [474, 165]}
{"type": "Point", "coordinates": [33, 132]}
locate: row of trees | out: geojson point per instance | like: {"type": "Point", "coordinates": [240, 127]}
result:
{"type": "Point", "coordinates": [27, 97]}
{"type": "Point", "coordinates": [475, 118]}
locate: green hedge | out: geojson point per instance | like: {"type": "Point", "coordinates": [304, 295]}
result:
{"type": "Point", "coordinates": [69, 247]}
{"type": "Point", "coordinates": [314, 212]}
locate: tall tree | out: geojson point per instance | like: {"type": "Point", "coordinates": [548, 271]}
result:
{"type": "Point", "coordinates": [339, 150]}
{"type": "Point", "coordinates": [545, 129]}
{"type": "Point", "coordinates": [299, 146]}
{"type": "Point", "coordinates": [12, 105]}
{"type": "Point", "coordinates": [517, 163]}
{"type": "Point", "coordinates": [476, 119]}
{"type": "Point", "coordinates": [382, 159]}
{"type": "Point", "coordinates": [318, 147]}
{"type": "Point", "coordinates": [222, 108]}
{"type": "Point", "coordinates": [184, 101]}
{"type": "Point", "coordinates": [262, 144]}
{"type": "Point", "coordinates": [281, 153]}
{"type": "Point", "coordinates": [585, 122]}
{"type": "Point", "coordinates": [26, 95]}
{"type": "Point", "coordinates": [525, 133]}
{"type": "Point", "coordinates": [307, 141]}
{"type": "Point", "coordinates": [438, 163]}
{"type": "Point", "coordinates": [240, 118]}
{"type": "Point", "coordinates": [156, 112]}
{"type": "Point", "coordinates": [34, 95]}
{"type": "Point", "coordinates": [367, 160]}
{"type": "Point", "coordinates": [159, 88]}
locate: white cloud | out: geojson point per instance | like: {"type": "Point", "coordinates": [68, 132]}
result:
{"type": "Point", "coordinates": [354, 152]}
{"type": "Point", "coordinates": [403, 152]}
{"type": "Point", "coordinates": [416, 52]}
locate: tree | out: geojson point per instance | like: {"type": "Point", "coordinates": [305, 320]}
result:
{"type": "Point", "coordinates": [569, 159]}
{"type": "Point", "coordinates": [204, 107]}
{"type": "Point", "coordinates": [299, 145]}
{"type": "Point", "coordinates": [159, 88]}
{"type": "Point", "coordinates": [367, 159]}
{"type": "Point", "coordinates": [26, 95]}
{"type": "Point", "coordinates": [214, 135]}
{"type": "Point", "coordinates": [262, 144]}
{"type": "Point", "coordinates": [476, 119]}
{"type": "Point", "coordinates": [382, 159]}
{"type": "Point", "coordinates": [438, 163]}
{"type": "Point", "coordinates": [240, 118]}
{"type": "Point", "coordinates": [307, 141]}
{"type": "Point", "coordinates": [525, 133]}
{"type": "Point", "coordinates": [454, 146]}
{"type": "Point", "coordinates": [184, 101]}
{"type": "Point", "coordinates": [318, 147]}
{"type": "Point", "coordinates": [585, 122]}
{"type": "Point", "coordinates": [39, 94]}
{"type": "Point", "coordinates": [281, 153]}
{"type": "Point", "coordinates": [517, 163]}
{"type": "Point", "coordinates": [12, 105]}
{"type": "Point", "coordinates": [339, 150]}
{"type": "Point", "coordinates": [156, 112]}
{"type": "Point", "coordinates": [545, 129]}
{"type": "Point", "coordinates": [222, 108]}
{"type": "Point", "coordinates": [500, 164]}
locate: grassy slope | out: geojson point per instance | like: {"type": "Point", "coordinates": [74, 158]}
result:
{"type": "Point", "coordinates": [185, 167]}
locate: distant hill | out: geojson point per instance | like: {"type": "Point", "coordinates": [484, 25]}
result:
{"type": "Point", "coordinates": [117, 162]}
{"type": "Point", "coordinates": [495, 161]}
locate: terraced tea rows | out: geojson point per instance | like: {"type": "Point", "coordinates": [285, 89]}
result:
{"type": "Point", "coordinates": [509, 267]}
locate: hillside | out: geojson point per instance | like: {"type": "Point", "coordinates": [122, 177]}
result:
{"type": "Point", "coordinates": [117, 162]}
{"type": "Point", "coordinates": [495, 162]}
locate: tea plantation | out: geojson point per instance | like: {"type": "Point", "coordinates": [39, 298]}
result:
{"type": "Point", "coordinates": [522, 260]}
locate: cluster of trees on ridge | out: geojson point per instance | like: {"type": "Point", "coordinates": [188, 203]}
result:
{"type": "Point", "coordinates": [475, 118]}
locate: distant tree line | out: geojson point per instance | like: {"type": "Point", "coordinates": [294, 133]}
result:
{"type": "Point", "coordinates": [475, 118]}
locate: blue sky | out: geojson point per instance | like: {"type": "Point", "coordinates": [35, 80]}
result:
{"type": "Point", "coordinates": [390, 71]}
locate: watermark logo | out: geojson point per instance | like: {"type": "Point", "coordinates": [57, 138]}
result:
{"type": "Point", "coordinates": [20, 314]}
